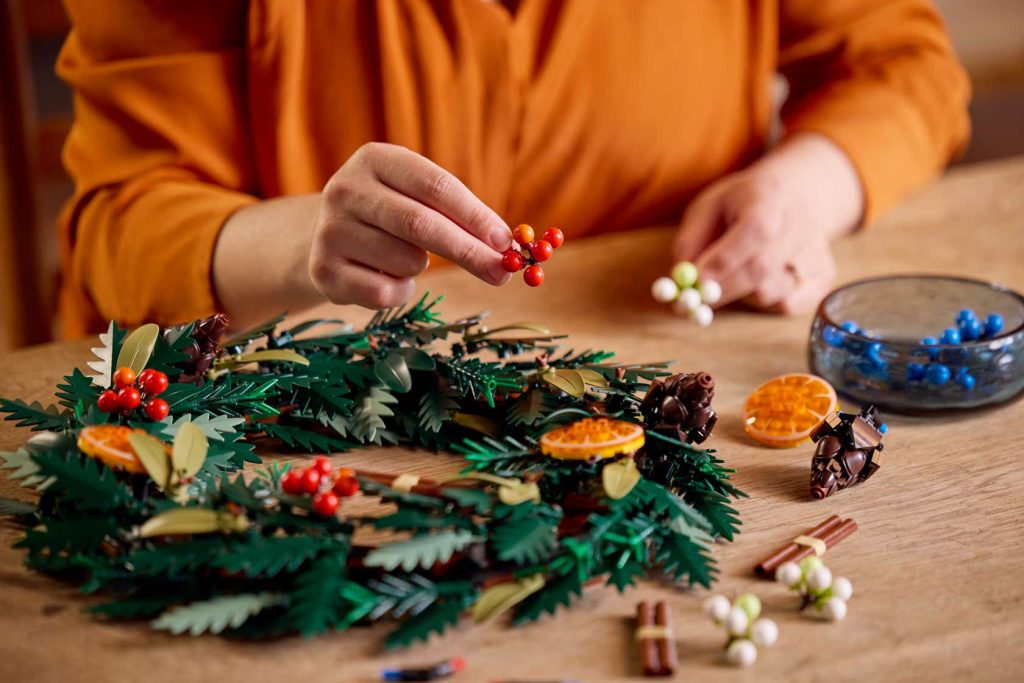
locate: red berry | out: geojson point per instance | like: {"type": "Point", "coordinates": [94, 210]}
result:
{"type": "Point", "coordinates": [541, 251]}
{"type": "Point", "coordinates": [533, 276]}
{"type": "Point", "coordinates": [325, 503]}
{"type": "Point", "coordinates": [153, 382]}
{"type": "Point", "coordinates": [322, 464]}
{"type": "Point", "coordinates": [107, 401]}
{"type": "Point", "coordinates": [512, 261]}
{"type": "Point", "coordinates": [554, 237]}
{"type": "Point", "coordinates": [346, 486]}
{"type": "Point", "coordinates": [129, 398]}
{"type": "Point", "coordinates": [522, 233]}
{"type": "Point", "coordinates": [157, 409]}
{"type": "Point", "coordinates": [310, 480]}
{"type": "Point", "coordinates": [124, 377]}
{"type": "Point", "coordinates": [291, 482]}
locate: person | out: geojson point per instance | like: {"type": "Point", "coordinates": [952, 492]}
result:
{"type": "Point", "coordinates": [252, 157]}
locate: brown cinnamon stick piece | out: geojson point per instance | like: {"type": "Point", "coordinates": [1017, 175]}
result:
{"type": "Point", "coordinates": [831, 531]}
{"type": "Point", "coordinates": [666, 643]}
{"type": "Point", "coordinates": [650, 659]}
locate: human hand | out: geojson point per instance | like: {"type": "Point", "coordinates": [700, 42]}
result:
{"type": "Point", "coordinates": [764, 233]}
{"type": "Point", "coordinates": [380, 214]}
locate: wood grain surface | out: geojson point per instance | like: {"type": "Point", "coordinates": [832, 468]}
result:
{"type": "Point", "coordinates": [936, 564]}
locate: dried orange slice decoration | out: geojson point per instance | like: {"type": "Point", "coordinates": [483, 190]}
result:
{"type": "Point", "coordinates": [784, 411]}
{"type": "Point", "coordinates": [592, 438]}
{"type": "Point", "coordinates": [109, 444]}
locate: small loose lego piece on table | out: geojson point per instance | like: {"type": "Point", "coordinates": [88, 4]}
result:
{"type": "Point", "coordinates": [815, 541]}
{"type": "Point", "coordinates": [827, 596]}
{"type": "Point", "coordinates": [689, 295]}
{"type": "Point", "coordinates": [848, 451]}
{"type": "Point", "coordinates": [784, 411]}
{"type": "Point", "coordinates": [431, 673]}
{"type": "Point", "coordinates": [741, 621]}
{"type": "Point", "coordinates": [680, 406]}
{"type": "Point", "coordinates": [528, 252]}
{"type": "Point", "coordinates": [655, 639]}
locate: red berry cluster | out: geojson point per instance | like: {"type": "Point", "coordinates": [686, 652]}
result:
{"type": "Point", "coordinates": [318, 481]}
{"type": "Point", "coordinates": [134, 391]}
{"type": "Point", "coordinates": [531, 252]}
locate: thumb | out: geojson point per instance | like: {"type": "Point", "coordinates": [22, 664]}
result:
{"type": "Point", "coordinates": [701, 224]}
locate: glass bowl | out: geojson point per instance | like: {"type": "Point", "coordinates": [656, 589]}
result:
{"type": "Point", "coordinates": [887, 341]}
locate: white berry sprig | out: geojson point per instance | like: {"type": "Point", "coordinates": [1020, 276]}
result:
{"type": "Point", "coordinates": [746, 631]}
{"type": "Point", "coordinates": [827, 596]}
{"type": "Point", "coordinates": [688, 294]}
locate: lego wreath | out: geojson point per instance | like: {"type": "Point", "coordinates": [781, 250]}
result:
{"type": "Point", "coordinates": [577, 470]}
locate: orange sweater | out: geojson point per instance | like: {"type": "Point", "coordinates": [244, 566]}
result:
{"type": "Point", "coordinates": [595, 115]}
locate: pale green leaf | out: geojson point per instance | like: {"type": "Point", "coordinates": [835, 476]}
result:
{"type": "Point", "coordinates": [420, 551]}
{"type": "Point", "coordinates": [213, 616]}
{"type": "Point", "coordinates": [502, 597]}
{"type": "Point", "coordinates": [569, 381]}
{"type": "Point", "coordinates": [186, 521]}
{"type": "Point", "coordinates": [138, 347]}
{"type": "Point", "coordinates": [153, 456]}
{"type": "Point", "coordinates": [189, 451]}
{"type": "Point", "coordinates": [619, 478]}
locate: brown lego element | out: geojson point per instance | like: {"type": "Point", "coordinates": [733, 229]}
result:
{"type": "Point", "coordinates": [849, 450]}
{"type": "Point", "coordinates": [680, 406]}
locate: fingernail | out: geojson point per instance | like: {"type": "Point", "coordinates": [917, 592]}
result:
{"type": "Point", "coordinates": [500, 238]}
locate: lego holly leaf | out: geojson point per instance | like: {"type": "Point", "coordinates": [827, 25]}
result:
{"type": "Point", "coordinates": [134, 607]}
{"type": "Point", "coordinates": [169, 350]}
{"type": "Point", "coordinates": [525, 541]}
{"type": "Point", "coordinates": [436, 407]}
{"type": "Point", "coordinates": [82, 479]}
{"type": "Point", "coordinates": [34, 415]}
{"type": "Point", "coordinates": [25, 468]}
{"type": "Point", "coordinates": [217, 614]}
{"type": "Point", "coordinates": [435, 619]}
{"type": "Point", "coordinates": [624, 574]}
{"type": "Point", "coordinates": [77, 388]}
{"type": "Point", "coordinates": [421, 551]}
{"type": "Point", "coordinates": [10, 506]}
{"type": "Point", "coordinates": [298, 437]}
{"type": "Point", "coordinates": [316, 602]}
{"type": "Point", "coordinates": [57, 536]}
{"type": "Point", "coordinates": [215, 427]}
{"type": "Point", "coordinates": [684, 559]}
{"type": "Point", "coordinates": [268, 557]}
{"type": "Point", "coordinates": [371, 407]}
{"type": "Point", "coordinates": [110, 344]}
{"type": "Point", "coordinates": [715, 508]}
{"type": "Point", "coordinates": [556, 593]}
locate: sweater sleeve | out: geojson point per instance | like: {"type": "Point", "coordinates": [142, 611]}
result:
{"type": "Point", "coordinates": [158, 152]}
{"type": "Point", "coordinates": [880, 79]}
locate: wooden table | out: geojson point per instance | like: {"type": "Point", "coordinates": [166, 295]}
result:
{"type": "Point", "coordinates": [936, 564]}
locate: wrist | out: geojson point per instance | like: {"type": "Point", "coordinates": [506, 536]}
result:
{"type": "Point", "coordinates": [820, 177]}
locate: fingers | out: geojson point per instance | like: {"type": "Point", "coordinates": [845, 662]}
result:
{"type": "Point", "coordinates": [415, 176]}
{"type": "Point", "coordinates": [410, 221]}
{"type": "Point", "coordinates": [380, 251]}
{"type": "Point", "coordinates": [752, 239]}
{"type": "Point", "coordinates": [701, 224]}
{"type": "Point", "coordinates": [343, 281]}
{"type": "Point", "coordinates": [817, 278]}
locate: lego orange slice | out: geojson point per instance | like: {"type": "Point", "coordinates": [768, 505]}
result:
{"type": "Point", "coordinates": [783, 411]}
{"type": "Point", "coordinates": [109, 444]}
{"type": "Point", "coordinates": [592, 437]}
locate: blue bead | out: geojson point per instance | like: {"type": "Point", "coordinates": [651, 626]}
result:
{"type": "Point", "coordinates": [915, 371]}
{"type": "Point", "coordinates": [931, 341]}
{"type": "Point", "coordinates": [970, 330]}
{"type": "Point", "coordinates": [993, 325]}
{"type": "Point", "coordinates": [951, 336]}
{"type": "Point", "coordinates": [832, 336]}
{"type": "Point", "coordinates": [883, 428]}
{"type": "Point", "coordinates": [938, 373]}
{"type": "Point", "coordinates": [850, 327]}
{"type": "Point", "coordinates": [966, 380]}
{"type": "Point", "coordinates": [965, 315]}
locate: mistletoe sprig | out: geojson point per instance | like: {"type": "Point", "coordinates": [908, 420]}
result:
{"type": "Point", "coordinates": [156, 516]}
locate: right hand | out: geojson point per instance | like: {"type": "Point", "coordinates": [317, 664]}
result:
{"type": "Point", "coordinates": [380, 214]}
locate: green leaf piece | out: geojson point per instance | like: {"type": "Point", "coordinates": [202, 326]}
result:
{"type": "Point", "coordinates": [393, 371]}
{"type": "Point", "coordinates": [268, 557]}
{"type": "Point", "coordinates": [76, 389]}
{"type": "Point", "coordinates": [317, 602]}
{"type": "Point", "coordinates": [213, 616]}
{"type": "Point", "coordinates": [103, 366]}
{"type": "Point", "coordinates": [297, 437]}
{"type": "Point", "coordinates": [82, 479]}
{"type": "Point", "coordinates": [10, 506]}
{"type": "Point", "coordinates": [34, 415]}
{"type": "Point", "coordinates": [437, 618]}
{"type": "Point", "coordinates": [137, 348]}
{"type": "Point", "coordinates": [525, 541]}
{"type": "Point", "coordinates": [421, 551]}
{"type": "Point", "coordinates": [556, 593]}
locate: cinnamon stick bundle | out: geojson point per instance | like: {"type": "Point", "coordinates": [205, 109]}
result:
{"type": "Point", "coordinates": [829, 532]}
{"type": "Point", "coordinates": [654, 639]}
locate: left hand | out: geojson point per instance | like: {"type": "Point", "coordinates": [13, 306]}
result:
{"type": "Point", "coordinates": [764, 233]}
